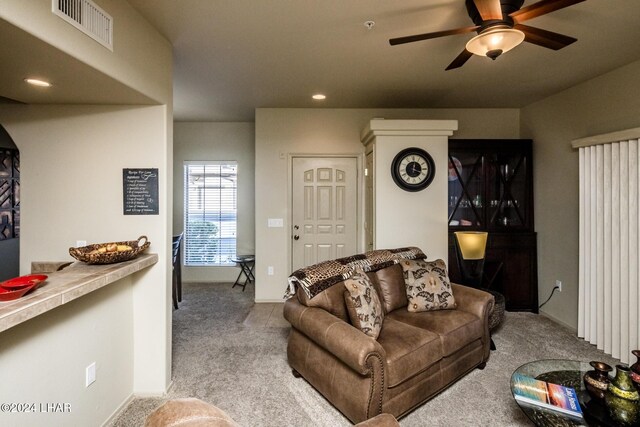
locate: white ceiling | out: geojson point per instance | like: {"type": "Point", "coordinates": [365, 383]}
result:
{"type": "Point", "coordinates": [231, 56]}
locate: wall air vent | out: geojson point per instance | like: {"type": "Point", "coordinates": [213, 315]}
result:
{"type": "Point", "coordinates": [88, 17]}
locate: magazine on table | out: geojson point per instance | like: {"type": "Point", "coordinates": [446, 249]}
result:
{"type": "Point", "coordinates": [547, 395]}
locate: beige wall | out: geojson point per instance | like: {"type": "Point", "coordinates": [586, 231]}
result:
{"type": "Point", "coordinates": [44, 359]}
{"type": "Point", "coordinates": [283, 132]}
{"type": "Point", "coordinates": [71, 174]}
{"type": "Point", "coordinates": [72, 159]}
{"type": "Point", "coordinates": [217, 141]}
{"type": "Point", "coordinates": [605, 104]}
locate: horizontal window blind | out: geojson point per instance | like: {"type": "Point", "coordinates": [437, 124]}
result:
{"type": "Point", "coordinates": [210, 212]}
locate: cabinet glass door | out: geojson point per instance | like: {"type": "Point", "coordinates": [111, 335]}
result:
{"type": "Point", "coordinates": [466, 190]}
{"type": "Point", "coordinates": [507, 190]}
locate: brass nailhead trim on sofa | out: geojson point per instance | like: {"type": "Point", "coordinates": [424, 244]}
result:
{"type": "Point", "coordinates": [373, 383]}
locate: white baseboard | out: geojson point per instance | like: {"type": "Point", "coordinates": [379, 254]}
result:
{"type": "Point", "coordinates": [115, 414]}
{"type": "Point", "coordinates": [144, 394]}
{"type": "Point", "coordinates": [261, 301]}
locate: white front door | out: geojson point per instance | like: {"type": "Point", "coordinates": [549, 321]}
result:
{"type": "Point", "coordinates": [324, 209]}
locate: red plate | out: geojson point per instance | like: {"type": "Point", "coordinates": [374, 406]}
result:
{"type": "Point", "coordinates": [8, 295]}
{"type": "Point", "coordinates": [23, 281]}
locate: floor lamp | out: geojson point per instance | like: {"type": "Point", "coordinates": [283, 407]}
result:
{"type": "Point", "coordinates": [470, 250]}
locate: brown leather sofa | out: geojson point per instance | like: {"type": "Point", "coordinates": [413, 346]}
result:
{"type": "Point", "coordinates": [416, 355]}
{"type": "Point", "coordinates": [193, 412]}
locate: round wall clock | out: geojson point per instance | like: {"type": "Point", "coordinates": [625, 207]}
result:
{"type": "Point", "coordinates": [413, 169]}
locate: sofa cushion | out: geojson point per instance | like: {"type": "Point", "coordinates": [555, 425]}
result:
{"type": "Point", "coordinates": [363, 304]}
{"type": "Point", "coordinates": [392, 288]}
{"type": "Point", "coordinates": [456, 328]}
{"type": "Point", "coordinates": [428, 286]}
{"type": "Point", "coordinates": [331, 300]}
{"type": "Point", "coordinates": [410, 350]}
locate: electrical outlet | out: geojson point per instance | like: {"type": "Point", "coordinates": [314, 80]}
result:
{"type": "Point", "coordinates": [80, 243]}
{"type": "Point", "coordinates": [559, 285]}
{"type": "Point", "coordinates": [90, 374]}
{"type": "Point", "coordinates": [270, 270]}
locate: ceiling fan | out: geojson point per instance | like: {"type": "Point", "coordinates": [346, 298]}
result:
{"type": "Point", "coordinates": [500, 29]}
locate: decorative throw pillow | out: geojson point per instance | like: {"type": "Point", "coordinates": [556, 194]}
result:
{"type": "Point", "coordinates": [428, 286]}
{"type": "Point", "coordinates": [363, 304]}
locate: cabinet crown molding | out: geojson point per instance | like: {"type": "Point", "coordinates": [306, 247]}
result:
{"type": "Point", "coordinates": [382, 127]}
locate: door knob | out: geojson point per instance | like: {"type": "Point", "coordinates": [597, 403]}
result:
{"type": "Point", "coordinates": [296, 237]}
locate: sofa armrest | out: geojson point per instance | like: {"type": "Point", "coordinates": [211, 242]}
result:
{"type": "Point", "coordinates": [338, 337]}
{"type": "Point", "coordinates": [474, 301]}
{"type": "Point", "coordinates": [478, 303]}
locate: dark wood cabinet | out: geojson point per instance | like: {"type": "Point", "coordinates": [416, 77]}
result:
{"type": "Point", "coordinates": [491, 189]}
{"type": "Point", "coordinates": [510, 268]}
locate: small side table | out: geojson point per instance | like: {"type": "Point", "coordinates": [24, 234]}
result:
{"type": "Point", "coordinates": [246, 264]}
{"type": "Point", "coordinates": [497, 314]}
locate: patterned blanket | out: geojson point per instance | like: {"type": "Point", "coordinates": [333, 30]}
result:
{"type": "Point", "coordinates": [318, 277]}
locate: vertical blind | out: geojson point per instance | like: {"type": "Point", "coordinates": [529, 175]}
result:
{"type": "Point", "coordinates": [210, 212]}
{"type": "Point", "coordinates": [609, 298]}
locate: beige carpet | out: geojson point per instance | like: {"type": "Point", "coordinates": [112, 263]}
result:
{"type": "Point", "coordinates": [232, 353]}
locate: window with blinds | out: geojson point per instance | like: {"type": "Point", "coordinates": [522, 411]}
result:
{"type": "Point", "coordinates": [210, 212]}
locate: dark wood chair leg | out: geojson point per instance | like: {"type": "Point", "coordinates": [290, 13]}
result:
{"type": "Point", "coordinates": [296, 373]}
{"type": "Point", "coordinates": [174, 290]}
{"type": "Point", "coordinates": [492, 345]}
{"type": "Point", "coordinates": [176, 251]}
{"type": "Point", "coordinates": [237, 282]}
{"type": "Point", "coordinates": [179, 274]}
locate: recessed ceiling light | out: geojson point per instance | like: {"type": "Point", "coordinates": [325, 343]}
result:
{"type": "Point", "coordinates": [38, 82]}
{"type": "Point", "coordinates": [319, 97]}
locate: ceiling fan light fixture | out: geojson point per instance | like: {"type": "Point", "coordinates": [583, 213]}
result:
{"type": "Point", "coordinates": [493, 54]}
{"type": "Point", "coordinates": [494, 42]}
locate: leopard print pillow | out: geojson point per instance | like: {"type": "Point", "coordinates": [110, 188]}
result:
{"type": "Point", "coordinates": [428, 286]}
{"type": "Point", "coordinates": [363, 304]}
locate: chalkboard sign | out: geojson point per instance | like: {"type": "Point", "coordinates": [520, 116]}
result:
{"type": "Point", "coordinates": [140, 191]}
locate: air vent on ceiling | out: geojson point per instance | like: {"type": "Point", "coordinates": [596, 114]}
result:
{"type": "Point", "coordinates": [88, 17]}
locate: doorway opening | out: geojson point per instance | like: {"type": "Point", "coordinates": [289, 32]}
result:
{"type": "Point", "coordinates": [9, 207]}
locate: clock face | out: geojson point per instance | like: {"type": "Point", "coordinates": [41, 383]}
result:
{"type": "Point", "coordinates": [413, 169]}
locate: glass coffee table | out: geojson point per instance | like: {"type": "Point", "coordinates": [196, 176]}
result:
{"type": "Point", "coordinates": [569, 373]}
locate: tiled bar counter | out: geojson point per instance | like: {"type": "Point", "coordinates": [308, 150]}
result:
{"type": "Point", "coordinates": [61, 287]}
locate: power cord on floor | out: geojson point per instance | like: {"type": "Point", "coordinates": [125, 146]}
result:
{"type": "Point", "coordinates": [552, 291]}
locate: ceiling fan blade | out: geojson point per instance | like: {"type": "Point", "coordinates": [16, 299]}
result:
{"type": "Point", "coordinates": [489, 9]}
{"type": "Point", "coordinates": [460, 60]}
{"type": "Point", "coordinates": [426, 36]}
{"type": "Point", "coordinates": [544, 38]}
{"type": "Point", "coordinates": [541, 8]}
